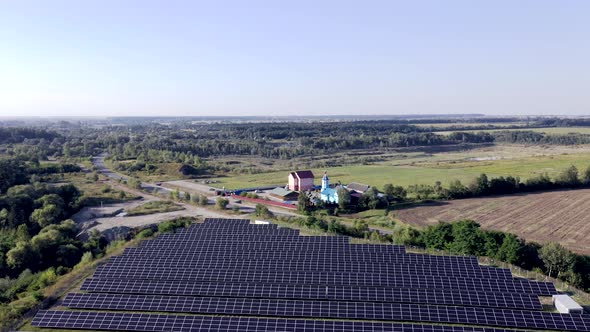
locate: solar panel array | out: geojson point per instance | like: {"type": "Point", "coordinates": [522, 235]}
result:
{"type": "Point", "coordinates": [230, 275]}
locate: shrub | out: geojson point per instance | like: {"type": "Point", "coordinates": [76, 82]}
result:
{"type": "Point", "coordinates": [144, 234]}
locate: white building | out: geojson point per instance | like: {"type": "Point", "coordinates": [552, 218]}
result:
{"type": "Point", "coordinates": [566, 305]}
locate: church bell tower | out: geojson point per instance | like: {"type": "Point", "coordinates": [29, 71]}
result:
{"type": "Point", "coordinates": [325, 181]}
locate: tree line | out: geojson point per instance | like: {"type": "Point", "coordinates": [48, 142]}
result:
{"type": "Point", "coordinates": [569, 178]}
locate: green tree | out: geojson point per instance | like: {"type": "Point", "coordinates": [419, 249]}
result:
{"type": "Point", "coordinates": [4, 217]}
{"type": "Point", "coordinates": [394, 192]}
{"type": "Point", "coordinates": [203, 200]}
{"type": "Point", "coordinates": [303, 202]}
{"type": "Point", "coordinates": [466, 237]}
{"type": "Point", "coordinates": [388, 190]}
{"type": "Point", "coordinates": [586, 176]}
{"type": "Point", "coordinates": [22, 233]}
{"type": "Point", "coordinates": [47, 241]}
{"type": "Point", "coordinates": [492, 240]}
{"type": "Point", "coordinates": [370, 198]}
{"type": "Point", "coordinates": [510, 250]}
{"type": "Point", "coordinates": [406, 235]}
{"type": "Point", "coordinates": [343, 197]}
{"type": "Point", "coordinates": [21, 256]}
{"type": "Point", "coordinates": [51, 199]}
{"type": "Point", "coordinates": [221, 203]}
{"type": "Point", "coordinates": [47, 215]}
{"type": "Point", "coordinates": [569, 177]}
{"type": "Point", "coordinates": [457, 190]}
{"type": "Point", "coordinates": [263, 211]}
{"type": "Point", "coordinates": [480, 185]}
{"type": "Point", "coordinates": [438, 236]}
{"type": "Point", "coordinates": [439, 190]}
{"type": "Point", "coordinates": [556, 258]}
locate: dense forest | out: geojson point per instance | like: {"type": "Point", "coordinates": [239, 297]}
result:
{"type": "Point", "coordinates": [186, 141]}
{"type": "Point", "coordinates": [37, 239]}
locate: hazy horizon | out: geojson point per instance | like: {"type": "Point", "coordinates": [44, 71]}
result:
{"type": "Point", "coordinates": [261, 58]}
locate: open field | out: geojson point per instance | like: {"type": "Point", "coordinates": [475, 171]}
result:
{"type": "Point", "coordinates": [552, 130]}
{"type": "Point", "coordinates": [470, 124]}
{"type": "Point", "coordinates": [562, 216]}
{"type": "Point", "coordinates": [154, 207]}
{"type": "Point", "coordinates": [426, 171]}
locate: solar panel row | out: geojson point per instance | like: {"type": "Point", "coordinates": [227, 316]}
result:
{"type": "Point", "coordinates": [357, 267]}
{"type": "Point", "coordinates": [239, 230]}
{"type": "Point", "coordinates": [182, 323]}
{"type": "Point", "coordinates": [328, 278]}
{"type": "Point", "coordinates": [238, 239]}
{"type": "Point", "coordinates": [226, 221]}
{"type": "Point", "coordinates": [311, 246]}
{"type": "Point", "coordinates": [246, 237]}
{"type": "Point", "coordinates": [331, 309]}
{"type": "Point", "coordinates": [309, 255]}
{"type": "Point", "coordinates": [315, 292]}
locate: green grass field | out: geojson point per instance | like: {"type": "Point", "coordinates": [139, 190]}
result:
{"type": "Point", "coordinates": [553, 130]}
{"type": "Point", "coordinates": [471, 124]}
{"type": "Point", "coordinates": [423, 173]}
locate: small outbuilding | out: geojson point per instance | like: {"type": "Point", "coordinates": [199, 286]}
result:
{"type": "Point", "coordinates": [566, 305]}
{"type": "Point", "coordinates": [358, 187]}
{"type": "Point", "coordinates": [284, 194]}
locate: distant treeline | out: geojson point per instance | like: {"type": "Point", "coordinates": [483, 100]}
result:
{"type": "Point", "coordinates": [180, 141]}
{"type": "Point", "coordinates": [18, 135]}
{"type": "Point", "coordinates": [277, 141]}
{"type": "Point", "coordinates": [532, 137]}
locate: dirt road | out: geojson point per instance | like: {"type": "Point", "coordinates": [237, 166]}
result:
{"type": "Point", "coordinates": [104, 218]}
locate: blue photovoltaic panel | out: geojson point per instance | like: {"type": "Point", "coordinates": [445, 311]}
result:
{"type": "Point", "coordinates": [383, 258]}
{"type": "Point", "coordinates": [231, 270]}
{"type": "Point", "coordinates": [326, 278]}
{"type": "Point", "coordinates": [356, 267]}
{"type": "Point", "coordinates": [316, 292]}
{"type": "Point", "coordinates": [182, 323]}
{"type": "Point", "coordinates": [331, 309]}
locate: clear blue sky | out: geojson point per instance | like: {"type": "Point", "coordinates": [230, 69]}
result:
{"type": "Point", "coordinates": [294, 57]}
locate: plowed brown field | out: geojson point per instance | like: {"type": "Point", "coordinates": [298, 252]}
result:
{"type": "Point", "coordinates": [561, 216]}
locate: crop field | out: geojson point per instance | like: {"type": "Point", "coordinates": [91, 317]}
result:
{"type": "Point", "coordinates": [562, 216]}
{"type": "Point", "coordinates": [425, 171]}
{"type": "Point", "coordinates": [552, 130]}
